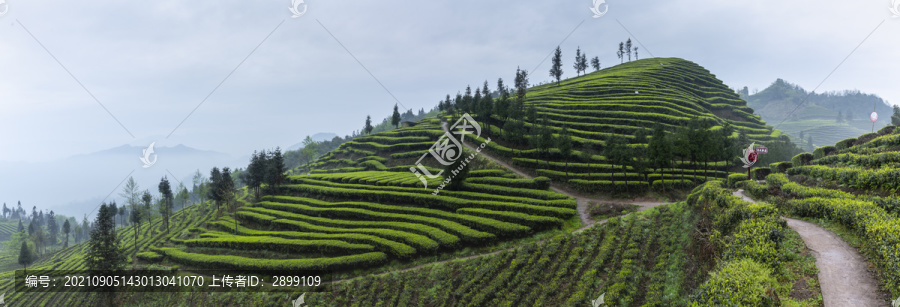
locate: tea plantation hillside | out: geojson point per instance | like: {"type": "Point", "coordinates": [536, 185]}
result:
{"type": "Point", "coordinates": [359, 207]}
{"type": "Point", "coordinates": [182, 224]}
{"type": "Point", "coordinates": [852, 187]}
{"type": "Point", "coordinates": [613, 106]}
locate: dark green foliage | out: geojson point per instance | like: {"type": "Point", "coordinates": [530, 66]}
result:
{"type": "Point", "coordinates": [104, 252]}
{"type": "Point", "coordinates": [895, 117]}
{"type": "Point", "coordinates": [367, 128]}
{"type": "Point", "coordinates": [780, 167]}
{"type": "Point", "coordinates": [618, 153]}
{"type": "Point", "coordinates": [395, 117]}
{"type": "Point", "coordinates": [733, 179]}
{"type": "Point", "coordinates": [25, 255]}
{"type": "Point", "coordinates": [802, 159]}
{"type": "Point", "coordinates": [844, 144]}
{"type": "Point", "coordinates": [556, 69]}
{"type": "Point", "coordinates": [659, 150]}
{"type": "Point", "coordinates": [824, 151]}
{"type": "Point", "coordinates": [760, 173]}
{"type": "Point", "coordinates": [165, 207]}
{"type": "Point", "coordinates": [66, 229]}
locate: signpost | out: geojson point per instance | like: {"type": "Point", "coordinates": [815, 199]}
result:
{"type": "Point", "coordinates": [751, 155]}
{"type": "Point", "coordinates": [874, 118]}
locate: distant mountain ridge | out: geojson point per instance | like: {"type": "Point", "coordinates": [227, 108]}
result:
{"type": "Point", "coordinates": [76, 181]}
{"type": "Point", "coordinates": [817, 114]}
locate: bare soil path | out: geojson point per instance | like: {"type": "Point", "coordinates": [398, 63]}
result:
{"type": "Point", "coordinates": [842, 270]}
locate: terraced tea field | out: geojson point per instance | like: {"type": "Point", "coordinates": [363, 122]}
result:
{"type": "Point", "coordinates": [617, 103]}
{"type": "Point", "coordinates": [360, 207]}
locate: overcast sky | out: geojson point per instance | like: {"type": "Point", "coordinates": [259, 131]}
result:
{"type": "Point", "coordinates": [151, 63]}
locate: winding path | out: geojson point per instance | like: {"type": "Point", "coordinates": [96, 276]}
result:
{"type": "Point", "coordinates": [842, 270]}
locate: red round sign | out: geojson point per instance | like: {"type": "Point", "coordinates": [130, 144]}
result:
{"type": "Point", "coordinates": [752, 157]}
{"type": "Point", "coordinates": [873, 117]}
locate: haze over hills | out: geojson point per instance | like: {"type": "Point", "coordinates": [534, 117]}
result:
{"type": "Point", "coordinates": [77, 184]}
{"type": "Point", "coordinates": [817, 115]}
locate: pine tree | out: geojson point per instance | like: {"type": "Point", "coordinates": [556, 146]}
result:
{"type": "Point", "coordinates": [25, 255]}
{"type": "Point", "coordinates": [368, 127]}
{"type": "Point", "coordinates": [636, 53]}
{"type": "Point", "coordinates": [628, 49]}
{"type": "Point", "coordinates": [66, 229]}
{"type": "Point", "coordinates": [395, 118]}
{"type": "Point", "coordinates": [595, 63]}
{"type": "Point", "coordinates": [621, 52]}
{"type": "Point", "coordinates": [165, 208]}
{"type": "Point", "coordinates": [577, 65]}
{"type": "Point", "coordinates": [556, 69]}
{"type": "Point", "coordinates": [104, 252]}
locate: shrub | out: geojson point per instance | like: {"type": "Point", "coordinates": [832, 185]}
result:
{"type": "Point", "coordinates": [802, 159]}
{"type": "Point", "coordinates": [672, 184]}
{"type": "Point", "coordinates": [150, 256]}
{"type": "Point", "coordinates": [780, 167]}
{"type": "Point", "coordinates": [823, 151]}
{"type": "Point", "coordinates": [733, 179]}
{"type": "Point", "coordinates": [886, 130]}
{"type": "Point", "coordinates": [738, 283]}
{"type": "Point", "coordinates": [865, 138]}
{"type": "Point", "coordinates": [760, 173]}
{"type": "Point", "coordinates": [845, 143]}
{"type": "Point", "coordinates": [541, 183]}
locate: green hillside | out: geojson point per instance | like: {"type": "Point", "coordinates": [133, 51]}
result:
{"type": "Point", "coordinates": [618, 103]}
{"type": "Point", "coordinates": [816, 114]}
{"type": "Point", "coordinates": [851, 188]}
{"type": "Point", "coordinates": [394, 238]}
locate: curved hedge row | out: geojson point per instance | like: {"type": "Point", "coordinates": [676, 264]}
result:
{"type": "Point", "coordinates": [479, 223]}
{"type": "Point", "coordinates": [608, 186]}
{"type": "Point", "coordinates": [435, 234]}
{"type": "Point", "coordinates": [533, 221]}
{"type": "Point", "coordinates": [419, 242]}
{"type": "Point", "coordinates": [866, 179]}
{"type": "Point", "coordinates": [394, 248]}
{"type": "Point", "coordinates": [565, 202]}
{"type": "Point", "coordinates": [280, 244]}
{"type": "Point", "coordinates": [430, 200]}
{"type": "Point", "coordinates": [250, 264]}
{"type": "Point", "coordinates": [463, 232]}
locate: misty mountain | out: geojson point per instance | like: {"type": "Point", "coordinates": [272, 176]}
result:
{"type": "Point", "coordinates": [77, 184]}
{"type": "Point", "coordinates": [823, 118]}
{"type": "Point", "coordinates": [318, 137]}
